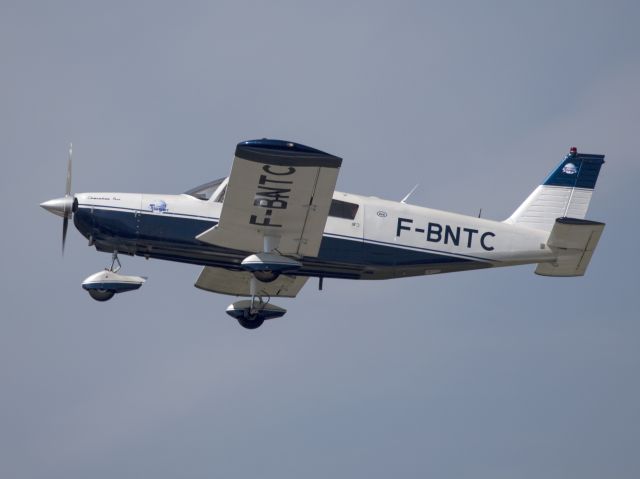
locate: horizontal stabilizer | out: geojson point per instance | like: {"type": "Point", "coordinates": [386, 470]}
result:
{"type": "Point", "coordinates": [236, 283]}
{"type": "Point", "coordinates": [574, 240]}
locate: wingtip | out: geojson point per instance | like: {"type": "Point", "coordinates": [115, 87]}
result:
{"type": "Point", "coordinates": [274, 151]}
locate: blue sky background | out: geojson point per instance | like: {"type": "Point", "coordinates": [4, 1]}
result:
{"type": "Point", "coordinates": [485, 374]}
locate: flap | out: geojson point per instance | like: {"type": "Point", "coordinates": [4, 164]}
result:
{"type": "Point", "coordinates": [280, 190]}
{"type": "Point", "coordinates": [236, 283]}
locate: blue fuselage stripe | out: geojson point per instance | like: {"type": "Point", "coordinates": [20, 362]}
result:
{"type": "Point", "coordinates": [397, 246]}
{"type": "Point", "coordinates": [173, 236]}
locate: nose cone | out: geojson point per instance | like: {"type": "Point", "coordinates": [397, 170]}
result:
{"type": "Point", "coordinates": [59, 206]}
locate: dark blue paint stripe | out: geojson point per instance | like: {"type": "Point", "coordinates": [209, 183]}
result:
{"type": "Point", "coordinates": [576, 171]}
{"type": "Point", "coordinates": [346, 237]}
{"type": "Point", "coordinates": [285, 153]}
{"type": "Point", "coordinates": [168, 235]}
{"type": "Point", "coordinates": [397, 246]}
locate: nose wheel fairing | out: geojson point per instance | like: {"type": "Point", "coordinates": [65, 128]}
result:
{"type": "Point", "coordinates": [108, 280]}
{"type": "Point", "coordinates": [103, 285]}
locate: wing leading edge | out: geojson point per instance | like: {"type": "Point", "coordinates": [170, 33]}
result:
{"type": "Point", "coordinates": [278, 193]}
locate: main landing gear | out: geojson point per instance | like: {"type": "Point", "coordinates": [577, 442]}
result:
{"type": "Point", "coordinates": [104, 285]}
{"type": "Point", "coordinates": [265, 267]}
{"type": "Point", "coordinates": [251, 313]}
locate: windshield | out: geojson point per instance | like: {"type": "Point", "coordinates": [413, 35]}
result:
{"type": "Point", "coordinates": [204, 192]}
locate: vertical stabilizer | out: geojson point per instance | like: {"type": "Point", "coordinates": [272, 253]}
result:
{"type": "Point", "coordinates": [565, 193]}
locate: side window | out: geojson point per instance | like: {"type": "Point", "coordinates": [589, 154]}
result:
{"type": "Point", "coordinates": [343, 209]}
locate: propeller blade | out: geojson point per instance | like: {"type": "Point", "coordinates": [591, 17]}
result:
{"type": "Point", "coordinates": [68, 189]}
{"type": "Point", "coordinates": [65, 225]}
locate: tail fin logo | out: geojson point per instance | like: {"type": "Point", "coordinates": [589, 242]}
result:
{"type": "Point", "coordinates": [569, 169]}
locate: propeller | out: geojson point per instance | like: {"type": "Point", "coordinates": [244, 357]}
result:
{"type": "Point", "coordinates": [67, 194]}
{"type": "Point", "coordinates": [63, 206]}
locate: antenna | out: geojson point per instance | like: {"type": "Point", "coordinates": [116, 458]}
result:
{"type": "Point", "coordinates": [480, 213]}
{"type": "Point", "coordinates": [404, 200]}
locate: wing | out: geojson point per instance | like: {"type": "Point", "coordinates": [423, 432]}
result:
{"type": "Point", "coordinates": [236, 283]}
{"type": "Point", "coordinates": [280, 191]}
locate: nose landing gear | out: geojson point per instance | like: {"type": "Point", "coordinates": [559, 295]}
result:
{"type": "Point", "coordinates": [102, 286]}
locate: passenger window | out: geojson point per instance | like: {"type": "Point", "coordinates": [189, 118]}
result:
{"type": "Point", "coordinates": [343, 209]}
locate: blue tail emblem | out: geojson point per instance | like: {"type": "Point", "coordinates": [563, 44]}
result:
{"type": "Point", "coordinates": [577, 170]}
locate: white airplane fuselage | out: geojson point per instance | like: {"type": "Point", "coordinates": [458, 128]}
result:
{"type": "Point", "coordinates": [277, 220]}
{"type": "Point", "coordinates": [384, 239]}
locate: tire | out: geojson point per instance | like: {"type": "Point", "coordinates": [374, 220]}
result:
{"type": "Point", "coordinates": [250, 323]}
{"type": "Point", "coordinates": [266, 276]}
{"type": "Point", "coordinates": [101, 294]}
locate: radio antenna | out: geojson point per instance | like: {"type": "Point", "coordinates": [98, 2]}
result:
{"type": "Point", "coordinates": [404, 200]}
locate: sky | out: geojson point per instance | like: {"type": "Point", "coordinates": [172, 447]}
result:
{"type": "Point", "coordinates": [486, 374]}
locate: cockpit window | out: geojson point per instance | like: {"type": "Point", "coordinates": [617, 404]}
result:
{"type": "Point", "coordinates": [204, 192]}
{"type": "Point", "coordinates": [343, 209]}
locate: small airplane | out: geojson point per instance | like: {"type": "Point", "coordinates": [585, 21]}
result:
{"type": "Point", "coordinates": [276, 221]}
